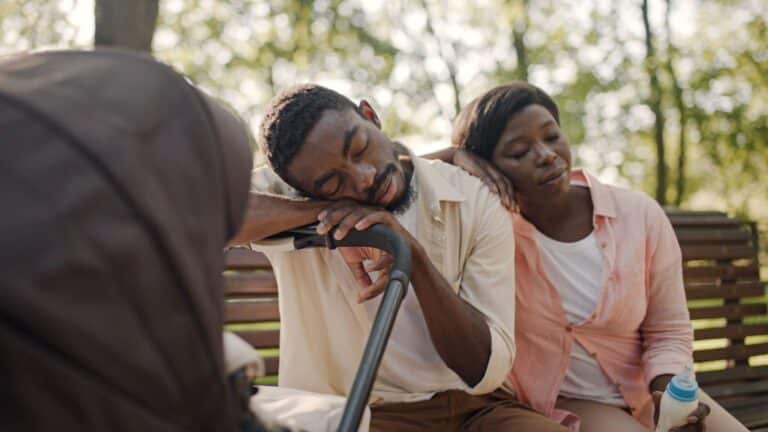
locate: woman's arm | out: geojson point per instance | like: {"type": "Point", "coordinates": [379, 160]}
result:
{"type": "Point", "coordinates": [666, 329]}
{"type": "Point", "coordinates": [445, 155]}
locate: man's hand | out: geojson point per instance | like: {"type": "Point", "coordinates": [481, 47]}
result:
{"type": "Point", "coordinates": [348, 215]}
{"type": "Point", "coordinates": [695, 418]}
{"type": "Point", "coordinates": [377, 260]}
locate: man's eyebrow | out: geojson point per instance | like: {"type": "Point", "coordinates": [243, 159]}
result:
{"type": "Point", "coordinates": [348, 135]}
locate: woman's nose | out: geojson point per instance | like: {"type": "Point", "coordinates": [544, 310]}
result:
{"type": "Point", "coordinates": [545, 154]}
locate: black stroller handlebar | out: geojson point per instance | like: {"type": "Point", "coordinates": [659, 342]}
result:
{"type": "Point", "coordinates": [377, 236]}
{"type": "Point", "coordinates": [380, 237]}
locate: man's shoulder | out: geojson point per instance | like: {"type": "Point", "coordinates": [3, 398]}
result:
{"type": "Point", "coordinates": [450, 183]}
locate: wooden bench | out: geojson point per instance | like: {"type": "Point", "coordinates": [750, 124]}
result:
{"type": "Point", "coordinates": [727, 303]}
{"type": "Point", "coordinates": [726, 300]}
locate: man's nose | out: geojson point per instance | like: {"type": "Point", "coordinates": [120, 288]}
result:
{"type": "Point", "coordinates": [364, 176]}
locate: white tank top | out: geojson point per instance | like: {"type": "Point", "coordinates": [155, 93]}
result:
{"type": "Point", "coordinates": [575, 270]}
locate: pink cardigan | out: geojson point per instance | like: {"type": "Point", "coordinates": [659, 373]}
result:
{"type": "Point", "coordinates": [640, 328]}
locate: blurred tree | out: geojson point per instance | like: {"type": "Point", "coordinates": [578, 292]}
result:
{"type": "Point", "coordinates": [31, 24]}
{"type": "Point", "coordinates": [518, 37]}
{"type": "Point", "coordinates": [680, 105]}
{"type": "Point", "coordinates": [655, 103]}
{"type": "Point", "coordinates": [700, 90]}
{"type": "Point", "coordinates": [130, 24]}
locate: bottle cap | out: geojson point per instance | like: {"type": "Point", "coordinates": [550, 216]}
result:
{"type": "Point", "coordinates": [684, 387]}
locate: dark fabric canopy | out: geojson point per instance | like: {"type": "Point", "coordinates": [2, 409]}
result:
{"type": "Point", "coordinates": [119, 185]}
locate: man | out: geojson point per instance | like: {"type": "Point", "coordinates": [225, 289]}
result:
{"type": "Point", "coordinates": [452, 344]}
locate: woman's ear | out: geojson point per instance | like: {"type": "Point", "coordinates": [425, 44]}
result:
{"type": "Point", "coordinates": [369, 113]}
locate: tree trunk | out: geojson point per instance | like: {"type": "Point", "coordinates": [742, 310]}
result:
{"type": "Point", "coordinates": [677, 92]}
{"type": "Point", "coordinates": [518, 38]}
{"type": "Point", "coordinates": [126, 23]}
{"type": "Point", "coordinates": [450, 63]}
{"type": "Point", "coordinates": [654, 102]}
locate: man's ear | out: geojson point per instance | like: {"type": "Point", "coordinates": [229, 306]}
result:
{"type": "Point", "coordinates": [369, 113]}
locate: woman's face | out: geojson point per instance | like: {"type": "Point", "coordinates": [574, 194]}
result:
{"type": "Point", "coordinates": [534, 154]}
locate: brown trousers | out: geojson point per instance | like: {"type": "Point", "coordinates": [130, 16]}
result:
{"type": "Point", "coordinates": [456, 410]}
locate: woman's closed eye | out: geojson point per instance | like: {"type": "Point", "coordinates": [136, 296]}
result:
{"type": "Point", "coordinates": [552, 137]}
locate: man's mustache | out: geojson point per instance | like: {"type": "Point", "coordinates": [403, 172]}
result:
{"type": "Point", "coordinates": [378, 181]}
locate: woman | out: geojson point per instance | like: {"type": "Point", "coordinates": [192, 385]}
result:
{"type": "Point", "coordinates": [602, 322]}
{"type": "Point", "coordinates": [120, 184]}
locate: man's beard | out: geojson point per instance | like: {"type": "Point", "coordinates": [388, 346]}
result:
{"type": "Point", "coordinates": [404, 202]}
{"type": "Point", "coordinates": [400, 205]}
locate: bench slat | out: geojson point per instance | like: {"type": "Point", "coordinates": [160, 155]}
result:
{"type": "Point", "coordinates": [261, 283]}
{"type": "Point", "coordinates": [245, 259]}
{"type": "Point", "coordinates": [716, 272]}
{"type": "Point", "coordinates": [718, 252]}
{"type": "Point", "coordinates": [245, 312]}
{"type": "Point", "coordinates": [734, 331]}
{"type": "Point", "coordinates": [688, 236]}
{"type": "Point", "coordinates": [261, 338]}
{"type": "Point", "coordinates": [728, 311]}
{"type": "Point", "coordinates": [711, 221]}
{"type": "Point", "coordinates": [737, 389]}
{"type": "Point", "coordinates": [272, 365]}
{"type": "Point", "coordinates": [732, 374]}
{"type": "Point", "coordinates": [736, 352]}
{"type": "Point", "coordinates": [726, 291]}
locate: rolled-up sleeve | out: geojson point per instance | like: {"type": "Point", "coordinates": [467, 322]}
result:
{"type": "Point", "coordinates": [265, 181]}
{"type": "Point", "coordinates": [666, 330]}
{"type": "Point", "coordinates": [488, 284]}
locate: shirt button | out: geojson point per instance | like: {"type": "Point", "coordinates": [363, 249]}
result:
{"type": "Point", "coordinates": [603, 245]}
{"type": "Point", "coordinates": [568, 328]}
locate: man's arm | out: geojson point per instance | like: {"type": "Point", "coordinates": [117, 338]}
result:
{"type": "Point", "coordinates": [270, 214]}
{"type": "Point", "coordinates": [459, 332]}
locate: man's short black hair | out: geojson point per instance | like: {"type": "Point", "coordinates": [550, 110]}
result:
{"type": "Point", "coordinates": [289, 118]}
{"type": "Point", "coordinates": [480, 124]}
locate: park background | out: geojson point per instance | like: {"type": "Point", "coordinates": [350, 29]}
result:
{"type": "Point", "coordinates": [665, 96]}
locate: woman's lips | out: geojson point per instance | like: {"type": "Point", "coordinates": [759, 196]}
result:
{"type": "Point", "coordinates": [555, 179]}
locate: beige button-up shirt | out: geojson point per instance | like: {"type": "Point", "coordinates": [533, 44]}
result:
{"type": "Point", "coordinates": [467, 235]}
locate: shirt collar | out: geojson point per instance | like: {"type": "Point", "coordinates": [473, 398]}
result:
{"type": "Point", "coordinates": [602, 199]}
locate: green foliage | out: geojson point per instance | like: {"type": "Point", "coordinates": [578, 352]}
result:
{"type": "Point", "coordinates": [414, 60]}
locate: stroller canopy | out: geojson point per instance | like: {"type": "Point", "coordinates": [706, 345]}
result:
{"type": "Point", "coordinates": [120, 184]}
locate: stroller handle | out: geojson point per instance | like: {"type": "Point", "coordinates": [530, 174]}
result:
{"type": "Point", "coordinates": [380, 237]}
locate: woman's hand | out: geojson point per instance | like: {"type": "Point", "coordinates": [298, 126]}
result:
{"type": "Point", "coordinates": [695, 419]}
{"type": "Point", "coordinates": [489, 174]}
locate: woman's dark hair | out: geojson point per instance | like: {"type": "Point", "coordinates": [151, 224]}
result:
{"type": "Point", "coordinates": [480, 124]}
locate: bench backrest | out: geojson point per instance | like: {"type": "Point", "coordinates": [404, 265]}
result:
{"type": "Point", "coordinates": [722, 281]}
{"type": "Point", "coordinates": [727, 303]}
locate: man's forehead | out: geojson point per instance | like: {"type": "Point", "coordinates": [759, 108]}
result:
{"type": "Point", "coordinates": [334, 122]}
